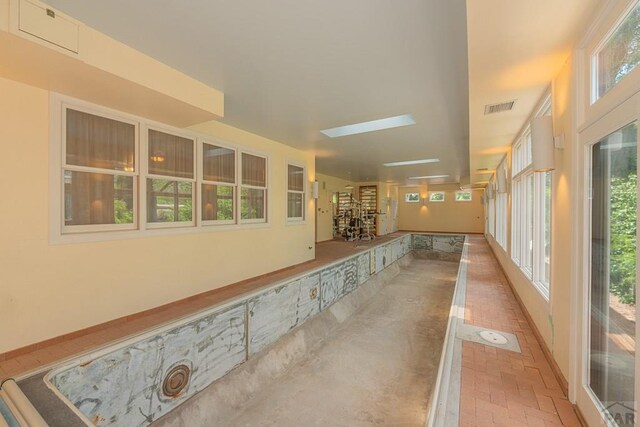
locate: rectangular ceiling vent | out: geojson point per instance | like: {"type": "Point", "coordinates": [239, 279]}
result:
{"type": "Point", "coordinates": [499, 108]}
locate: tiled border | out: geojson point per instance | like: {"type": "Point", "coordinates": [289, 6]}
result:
{"type": "Point", "coordinates": [446, 393]}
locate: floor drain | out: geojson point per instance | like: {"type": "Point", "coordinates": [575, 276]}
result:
{"type": "Point", "coordinates": [493, 337]}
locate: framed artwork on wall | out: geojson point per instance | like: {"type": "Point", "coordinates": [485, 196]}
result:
{"type": "Point", "coordinates": [412, 197]}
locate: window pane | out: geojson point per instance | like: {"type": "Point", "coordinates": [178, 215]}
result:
{"type": "Point", "coordinates": [170, 155]}
{"type": "Point", "coordinates": [528, 242]}
{"type": "Point", "coordinates": [620, 54]}
{"type": "Point", "coordinates": [254, 170]}
{"type": "Point", "coordinates": [252, 203]}
{"type": "Point", "coordinates": [527, 148]}
{"type": "Point", "coordinates": [219, 164]}
{"type": "Point", "coordinates": [296, 178]}
{"type": "Point", "coordinates": [613, 271]}
{"type": "Point", "coordinates": [169, 201]}
{"type": "Point", "coordinates": [217, 202]}
{"type": "Point", "coordinates": [98, 142]}
{"type": "Point", "coordinates": [516, 215]}
{"type": "Point", "coordinates": [294, 205]}
{"type": "Point", "coordinates": [547, 229]}
{"type": "Point", "coordinates": [95, 198]}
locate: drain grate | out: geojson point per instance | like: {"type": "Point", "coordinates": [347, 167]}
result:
{"type": "Point", "coordinates": [498, 339]}
{"type": "Point", "coordinates": [493, 337]}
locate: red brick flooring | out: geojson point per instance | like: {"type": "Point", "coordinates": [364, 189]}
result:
{"type": "Point", "coordinates": [499, 387]}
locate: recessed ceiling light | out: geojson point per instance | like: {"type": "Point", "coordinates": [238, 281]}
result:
{"type": "Point", "coordinates": [429, 177]}
{"type": "Point", "coordinates": [388, 123]}
{"type": "Point", "coordinates": [412, 162]}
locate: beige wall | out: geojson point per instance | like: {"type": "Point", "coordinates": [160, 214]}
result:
{"type": "Point", "coordinates": [447, 216]}
{"type": "Point", "coordinates": [50, 289]}
{"type": "Point", "coordinates": [553, 319]}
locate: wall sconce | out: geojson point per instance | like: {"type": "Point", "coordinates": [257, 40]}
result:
{"type": "Point", "coordinates": [424, 201]}
{"type": "Point", "coordinates": [542, 144]}
{"type": "Point", "coordinates": [501, 178]}
{"type": "Point", "coordinates": [314, 189]}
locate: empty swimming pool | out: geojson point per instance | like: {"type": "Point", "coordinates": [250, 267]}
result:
{"type": "Point", "coordinates": [357, 340]}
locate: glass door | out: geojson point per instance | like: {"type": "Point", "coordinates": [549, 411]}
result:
{"type": "Point", "coordinates": [611, 373]}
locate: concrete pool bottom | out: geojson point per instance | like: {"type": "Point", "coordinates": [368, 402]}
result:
{"type": "Point", "coordinates": [371, 358]}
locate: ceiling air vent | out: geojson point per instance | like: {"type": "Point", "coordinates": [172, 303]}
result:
{"type": "Point", "coordinates": [498, 108]}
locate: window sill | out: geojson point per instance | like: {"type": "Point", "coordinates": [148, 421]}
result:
{"type": "Point", "coordinates": [105, 236]}
{"type": "Point", "coordinates": [295, 222]}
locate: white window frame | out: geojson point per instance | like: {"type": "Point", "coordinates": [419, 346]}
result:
{"type": "Point", "coordinates": [463, 191]}
{"type": "Point", "coordinates": [431, 193]}
{"type": "Point", "coordinates": [491, 203]}
{"type": "Point", "coordinates": [143, 182]}
{"type": "Point", "coordinates": [591, 107]}
{"type": "Point", "coordinates": [58, 234]}
{"type": "Point", "coordinates": [594, 95]}
{"type": "Point", "coordinates": [522, 172]}
{"type": "Point", "coordinates": [62, 114]}
{"type": "Point", "coordinates": [201, 181]}
{"type": "Point", "coordinates": [265, 188]}
{"type": "Point", "coordinates": [501, 208]}
{"type": "Point", "coordinates": [303, 219]}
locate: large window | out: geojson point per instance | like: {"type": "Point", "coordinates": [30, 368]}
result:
{"type": "Point", "coordinates": [119, 172]}
{"type": "Point", "coordinates": [218, 184]}
{"type": "Point", "coordinates": [99, 172]}
{"type": "Point", "coordinates": [501, 204]}
{"type": "Point", "coordinates": [170, 179]}
{"type": "Point", "coordinates": [491, 203]}
{"type": "Point", "coordinates": [295, 192]}
{"type": "Point", "coordinates": [531, 213]}
{"type": "Point", "coordinates": [619, 53]}
{"type": "Point", "coordinates": [612, 302]}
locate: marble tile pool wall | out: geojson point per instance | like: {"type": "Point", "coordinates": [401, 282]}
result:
{"type": "Point", "coordinates": [123, 384]}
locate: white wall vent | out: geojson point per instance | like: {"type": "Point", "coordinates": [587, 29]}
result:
{"type": "Point", "coordinates": [499, 108]}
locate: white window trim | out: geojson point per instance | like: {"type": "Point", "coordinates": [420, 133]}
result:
{"type": "Point", "coordinates": [145, 128]}
{"type": "Point", "coordinates": [590, 107]}
{"type": "Point", "coordinates": [56, 181]}
{"type": "Point", "coordinates": [521, 170]}
{"type": "Point", "coordinates": [305, 202]}
{"type": "Point", "coordinates": [597, 47]}
{"type": "Point", "coordinates": [266, 203]}
{"type": "Point", "coordinates": [61, 132]}
{"type": "Point", "coordinates": [201, 181]}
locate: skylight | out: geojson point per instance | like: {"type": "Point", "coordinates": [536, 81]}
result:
{"type": "Point", "coordinates": [429, 177]}
{"type": "Point", "coordinates": [412, 162]}
{"type": "Point", "coordinates": [374, 125]}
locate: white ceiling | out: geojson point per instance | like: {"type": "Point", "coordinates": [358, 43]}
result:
{"type": "Point", "coordinates": [515, 49]}
{"type": "Point", "coordinates": [290, 68]}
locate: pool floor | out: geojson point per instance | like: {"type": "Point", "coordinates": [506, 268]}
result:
{"type": "Point", "coordinates": [378, 368]}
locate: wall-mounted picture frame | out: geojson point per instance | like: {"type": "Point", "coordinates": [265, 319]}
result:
{"type": "Point", "coordinates": [436, 196]}
{"type": "Point", "coordinates": [464, 196]}
{"type": "Point", "coordinates": [412, 197]}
